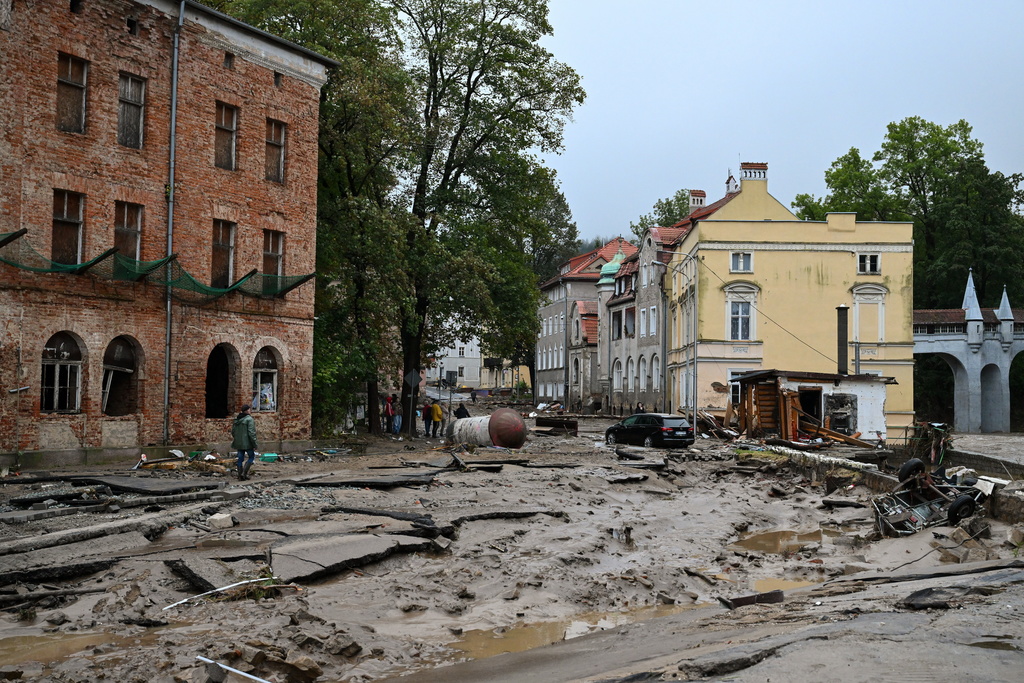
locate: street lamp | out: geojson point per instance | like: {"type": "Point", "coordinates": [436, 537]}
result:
{"type": "Point", "coordinates": [691, 348]}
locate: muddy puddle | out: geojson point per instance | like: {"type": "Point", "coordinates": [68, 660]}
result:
{"type": "Point", "coordinates": [784, 541]}
{"type": "Point", "coordinates": [50, 648]}
{"type": "Point", "coordinates": [480, 644]}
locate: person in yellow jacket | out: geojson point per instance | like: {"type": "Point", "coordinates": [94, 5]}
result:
{"type": "Point", "coordinates": [436, 415]}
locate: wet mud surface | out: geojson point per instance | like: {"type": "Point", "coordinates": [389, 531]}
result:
{"type": "Point", "coordinates": [568, 545]}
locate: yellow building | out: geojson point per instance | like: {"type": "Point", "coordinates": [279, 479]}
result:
{"type": "Point", "coordinates": [767, 288]}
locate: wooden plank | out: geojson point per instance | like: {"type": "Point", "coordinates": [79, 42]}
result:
{"type": "Point", "coordinates": [815, 429]}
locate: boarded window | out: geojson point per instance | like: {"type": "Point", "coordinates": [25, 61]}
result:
{"type": "Point", "coordinates": [273, 252]}
{"type": "Point", "coordinates": [66, 244]}
{"type": "Point", "coordinates": [60, 388]}
{"type": "Point", "coordinates": [222, 262]}
{"type": "Point", "coordinates": [275, 150]}
{"type": "Point", "coordinates": [127, 228]}
{"type": "Point", "coordinates": [71, 76]}
{"type": "Point", "coordinates": [131, 95]}
{"type": "Point", "coordinates": [227, 129]}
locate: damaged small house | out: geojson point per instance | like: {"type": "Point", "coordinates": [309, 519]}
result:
{"type": "Point", "coordinates": [787, 404]}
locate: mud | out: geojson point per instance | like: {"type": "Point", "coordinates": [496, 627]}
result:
{"type": "Point", "coordinates": [436, 567]}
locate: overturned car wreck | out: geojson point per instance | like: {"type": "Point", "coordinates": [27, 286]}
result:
{"type": "Point", "coordinates": [923, 500]}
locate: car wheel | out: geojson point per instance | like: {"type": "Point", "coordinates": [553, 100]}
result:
{"type": "Point", "coordinates": [960, 509]}
{"type": "Point", "coordinates": [911, 469]}
{"type": "Point", "coordinates": [649, 442]}
{"type": "Point", "coordinates": [609, 439]}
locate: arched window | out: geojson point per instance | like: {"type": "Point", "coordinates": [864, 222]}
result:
{"type": "Point", "coordinates": [264, 380]}
{"type": "Point", "coordinates": [561, 355]}
{"type": "Point", "coordinates": [120, 378]}
{"type": "Point", "coordinates": [656, 373]}
{"type": "Point", "coordinates": [630, 376]}
{"type": "Point", "coordinates": [643, 374]}
{"type": "Point", "coordinates": [221, 367]}
{"type": "Point", "coordinates": [575, 370]}
{"type": "Point", "coordinates": [617, 376]}
{"type": "Point", "coordinates": [61, 385]}
{"type": "Point", "coordinates": [740, 312]}
{"type": "Point", "coordinates": [576, 331]}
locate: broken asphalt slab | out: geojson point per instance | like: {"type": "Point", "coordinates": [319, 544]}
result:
{"type": "Point", "coordinates": [151, 485]}
{"type": "Point", "coordinates": [70, 560]}
{"type": "Point", "coordinates": [373, 482]}
{"type": "Point", "coordinates": [311, 558]}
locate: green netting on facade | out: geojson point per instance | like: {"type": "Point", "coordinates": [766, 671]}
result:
{"type": "Point", "coordinates": [186, 288]}
{"type": "Point", "coordinates": [128, 269]}
{"type": "Point", "coordinates": [273, 285]}
{"type": "Point", "coordinates": [166, 271]}
{"type": "Point", "coordinates": [20, 254]}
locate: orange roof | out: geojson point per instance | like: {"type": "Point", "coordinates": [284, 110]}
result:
{"type": "Point", "coordinates": [587, 266]}
{"type": "Point", "coordinates": [587, 307]}
{"type": "Point", "coordinates": [684, 226]}
{"type": "Point", "coordinates": [590, 328]}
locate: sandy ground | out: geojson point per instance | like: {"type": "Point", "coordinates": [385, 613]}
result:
{"type": "Point", "coordinates": [540, 554]}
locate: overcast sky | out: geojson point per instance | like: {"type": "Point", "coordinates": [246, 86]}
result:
{"type": "Point", "coordinates": [679, 92]}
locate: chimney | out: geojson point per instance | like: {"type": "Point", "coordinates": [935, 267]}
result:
{"type": "Point", "coordinates": [697, 199]}
{"type": "Point", "coordinates": [751, 170]}
{"type": "Point", "coordinates": [731, 186]}
{"type": "Point", "coordinates": [843, 338]}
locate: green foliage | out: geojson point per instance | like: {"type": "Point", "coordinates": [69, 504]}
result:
{"type": "Point", "coordinates": [965, 217]}
{"type": "Point", "coordinates": [666, 212]}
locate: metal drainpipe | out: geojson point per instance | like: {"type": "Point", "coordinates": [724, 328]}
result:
{"type": "Point", "coordinates": [170, 220]}
{"type": "Point", "coordinates": [664, 342]}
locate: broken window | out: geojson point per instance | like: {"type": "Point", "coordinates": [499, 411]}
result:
{"type": "Point", "coordinates": [218, 382]}
{"type": "Point", "coordinates": [741, 262]}
{"type": "Point", "coordinates": [127, 228]}
{"type": "Point", "coordinates": [66, 246]}
{"type": "Point", "coordinates": [226, 132]}
{"type": "Point", "coordinates": [120, 380]}
{"type": "Point", "coordinates": [869, 264]}
{"type": "Point", "coordinates": [61, 384]}
{"type": "Point", "coordinates": [71, 78]}
{"type": "Point", "coordinates": [131, 92]}
{"type": "Point", "coordinates": [264, 380]}
{"type": "Point", "coordinates": [275, 151]}
{"type": "Point", "coordinates": [617, 325]}
{"type": "Point", "coordinates": [223, 256]}
{"type": "Point", "coordinates": [629, 322]}
{"type": "Point", "coordinates": [575, 370]}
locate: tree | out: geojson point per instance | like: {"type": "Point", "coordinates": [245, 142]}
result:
{"type": "Point", "coordinates": [360, 237]}
{"type": "Point", "coordinates": [487, 96]}
{"type": "Point", "coordinates": [666, 212]}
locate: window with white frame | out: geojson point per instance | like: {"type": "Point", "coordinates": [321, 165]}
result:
{"type": "Point", "coordinates": [656, 373]}
{"type": "Point", "coordinates": [643, 322]}
{"type": "Point", "coordinates": [264, 380]}
{"type": "Point", "coordinates": [61, 384]}
{"type": "Point", "coordinates": [869, 264]}
{"type": "Point", "coordinates": [617, 376]}
{"type": "Point", "coordinates": [653, 328]}
{"type": "Point", "coordinates": [643, 373]}
{"type": "Point", "coordinates": [741, 298]}
{"type": "Point", "coordinates": [734, 386]}
{"type": "Point", "coordinates": [741, 262]}
{"type": "Point", "coordinates": [630, 375]}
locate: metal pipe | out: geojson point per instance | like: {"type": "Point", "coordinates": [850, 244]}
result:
{"type": "Point", "coordinates": [170, 219]}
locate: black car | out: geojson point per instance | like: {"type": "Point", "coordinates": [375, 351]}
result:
{"type": "Point", "coordinates": [651, 429]}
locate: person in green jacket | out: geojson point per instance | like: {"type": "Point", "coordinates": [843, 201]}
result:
{"type": "Point", "coordinates": [243, 439]}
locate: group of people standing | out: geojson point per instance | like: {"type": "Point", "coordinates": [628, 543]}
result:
{"type": "Point", "coordinates": [435, 415]}
{"type": "Point", "coordinates": [392, 415]}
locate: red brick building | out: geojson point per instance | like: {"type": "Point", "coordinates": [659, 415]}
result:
{"type": "Point", "coordinates": [189, 144]}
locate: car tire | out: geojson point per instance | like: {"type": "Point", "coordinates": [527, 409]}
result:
{"type": "Point", "coordinates": [911, 469]}
{"type": "Point", "coordinates": [960, 509]}
{"type": "Point", "coordinates": [649, 442]}
{"type": "Point", "coordinates": [609, 439]}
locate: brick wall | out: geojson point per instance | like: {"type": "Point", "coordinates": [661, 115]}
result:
{"type": "Point", "coordinates": [36, 159]}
